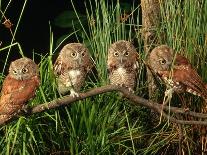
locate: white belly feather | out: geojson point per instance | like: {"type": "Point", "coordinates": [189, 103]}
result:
{"type": "Point", "coordinates": [118, 76]}
{"type": "Point", "coordinates": [73, 74]}
{"type": "Point", "coordinates": [122, 73]}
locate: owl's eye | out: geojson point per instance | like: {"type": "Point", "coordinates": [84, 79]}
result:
{"type": "Point", "coordinates": [24, 70]}
{"type": "Point", "coordinates": [162, 61]}
{"type": "Point", "coordinates": [73, 54]}
{"type": "Point", "coordinates": [14, 71]}
{"type": "Point", "coordinates": [126, 54]}
{"type": "Point", "coordinates": [116, 54]}
{"type": "Point", "coordinates": [83, 54]}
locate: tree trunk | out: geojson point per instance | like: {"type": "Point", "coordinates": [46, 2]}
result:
{"type": "Point", "coordinates": [150, 23]}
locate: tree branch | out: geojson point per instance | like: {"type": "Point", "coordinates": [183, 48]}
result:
{"type": "Point", "coordinates": [136, 100]}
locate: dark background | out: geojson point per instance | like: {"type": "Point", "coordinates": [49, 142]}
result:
{"type": "Point", "coordinates": [33, 32]}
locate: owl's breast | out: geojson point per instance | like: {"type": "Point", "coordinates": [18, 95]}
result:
{"type": "Point", "coordinates": [121, 73]}
{"type": "Point", "coordinates": [73, 77]}
{"type": "Point", "coordinates": [70, 78]}
{"type": "Point", "coordinates": [122, 76]}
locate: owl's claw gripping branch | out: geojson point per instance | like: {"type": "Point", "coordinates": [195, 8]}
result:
{"type": "Point", "coordinates": [73, 93]}
{"type": "Point", "coordinates": [136, 100]}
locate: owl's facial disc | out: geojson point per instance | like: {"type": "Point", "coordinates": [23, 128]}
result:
{"type": "Point", "coordinates": [18, 74]}
{"type": "Point", "coordinates": [123, 56]}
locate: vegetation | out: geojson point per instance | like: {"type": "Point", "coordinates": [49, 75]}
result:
{"type": "Point", "coordinates": [108, 124]}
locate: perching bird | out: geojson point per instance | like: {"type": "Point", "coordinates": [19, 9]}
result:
{"type": "Point", "coordinates": [177, 72]}
{"type": "Point", "coordinates": [18, 87]}
{"type": "Point", "coordinates": [71, 68]}
{"type": "Point", "coordinates": [123, 64]}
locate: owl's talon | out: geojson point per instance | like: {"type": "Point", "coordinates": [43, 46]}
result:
{"type": "Point", "coordinates": [186, 109]}
{"type": "Point", "coordinates": [24, 109]}
{"type": "Point", "coordinates": [120, 84]}
{"type": "Point", "coordinates": [168, 95]}
{"type": "Point", "coordinates": [123, 85]}
{"type": "Point", "coordinates": [74, 94]}
{"type": "Point", "coordinates": [131, 90]}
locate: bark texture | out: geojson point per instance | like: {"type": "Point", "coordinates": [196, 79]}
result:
{"type": "Point", "coordinates": [150, 23]}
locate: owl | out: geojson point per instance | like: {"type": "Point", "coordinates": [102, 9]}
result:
{"type": "Point", "coordinates": [71, 68]}
{"type": "Point", "coordinates": [18, 87]}
{"type": "Point", "coordinates": [176, 71]}
{"type": "Point", "coordinates": [122, 64]}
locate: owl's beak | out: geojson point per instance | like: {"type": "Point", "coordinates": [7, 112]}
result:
{"type": "Point", "coordinates": [20, 78]}
{"type": "Point", "coordinates": [20, 75]}
{"type": "Point", "coordinates": [121, 59]}
{"type": "Point", "coordinates": [79, 61]}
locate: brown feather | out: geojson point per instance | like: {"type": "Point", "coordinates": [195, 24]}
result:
{"type": "Point", "coordinates": [123, 72]}
{"type": "Point", "coordinates": [15, 93]}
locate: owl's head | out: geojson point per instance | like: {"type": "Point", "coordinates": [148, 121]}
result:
{"type": "Point", "coordinates": [75, 53]}
{"type": "Point", "coordinates": [122, 52]}
{"type": "Point", "coordinates": [160, 58]}
{"type": "Point", "coordinates": [23, 68]}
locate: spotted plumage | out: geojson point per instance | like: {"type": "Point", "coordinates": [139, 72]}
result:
{"type": "Point", "coordinates": [178, 74]}
{"type": "Point", "coordinates": [71, 68]}
{"type": "Point", "coordinates": [123, 64]}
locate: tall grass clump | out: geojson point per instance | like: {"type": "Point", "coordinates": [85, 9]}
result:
{"type": "Point", "coordinates": [107, 123]}
{"type": "Point", "coordinates": [184, 25]}
{"type": "Point", "coordinates": [102, 124]}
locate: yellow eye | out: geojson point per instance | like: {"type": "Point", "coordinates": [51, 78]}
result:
{"type": "Point", "coordinates": [162, 61]}
{"type": "Point", "coordinates": [126, 54]}
{"type": "Point", "coordinates": [14, 72]}
{"type": "Point", "coordinates": [73, 54]}
{"type": "Point", "coordinates": [116, 54]}
{"type": "Point", "coordinates": [24, 70]}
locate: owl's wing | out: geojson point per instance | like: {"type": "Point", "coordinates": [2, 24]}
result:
{"type": "Point", "coordinates": [59, 67]}
{"type": "Point", "coordinates": [111, 67]}
{"type": "Point", "coordinates": [187, 76]}
{"type": "Point", "coordinates": [8, 105]}
{"type": "Point", "coordinates": [136, 66]}
{"type": "Point", "coordinates": [13, 99]}
{"type": "Point", "coordinates": [10, 85]}
{"type": "Point", "coordinates": [89, 65]}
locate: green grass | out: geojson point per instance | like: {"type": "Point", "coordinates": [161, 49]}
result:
{"type": "Point", "coordinates": [107, 124]}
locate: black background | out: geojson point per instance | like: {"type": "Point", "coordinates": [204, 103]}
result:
{"type": "Point", "coordinates": [33, 33]}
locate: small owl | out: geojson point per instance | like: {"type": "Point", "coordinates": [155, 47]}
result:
{"type": "Point", "coordinates": [176, 72]}
{"type": "Point", "coordinates": [71, 68]}
{"type": "Point", "coordinates": [18, 87]}
{"type": "Point", "coordinates": [123, 64]}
